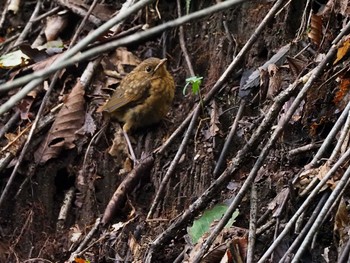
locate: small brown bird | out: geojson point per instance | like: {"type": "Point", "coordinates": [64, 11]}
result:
{"type": "Point", "coordinates": [144, 96]}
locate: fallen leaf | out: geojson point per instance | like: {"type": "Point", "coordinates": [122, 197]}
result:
{"type": "Point", "coordinates": [63, 131]}
{"type": "Point", "coordinates": [315, 29]}
{"type": "Point", "coordinates": [342, 50]}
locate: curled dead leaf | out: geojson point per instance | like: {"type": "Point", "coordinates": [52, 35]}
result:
{"type": "Point", "coordinates": [63, 131]}
{"type": "Point", "coordinates": [315, 31]}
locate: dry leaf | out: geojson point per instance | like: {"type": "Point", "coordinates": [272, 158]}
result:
{"type": "Point", "coordinates": [343, 50]}
{"type": "Point", "coordinates": [275, 81]}
{"type": "Point", "coordinates": [214, 120]}
{"type": "Point", "coordinates": [296, 65]}
{"type": "Point", "coordinates": [126, 57]}
{"type": "Point", "coordinates": [135, 248]}
{"type": "Point", "coordinates": [55, 25]}
{"type": "Point", "coordinates": [16, 140]}
{"type": "Point", "coordinates": [315, 33]}
{"type": "Point", "coordinates": [63, 131]}
{"type": "Point", "coordinates": [343, 90]}
{"type": "Point", "coordinates": [264, 84]}
{"type": "Point", "coordinates": [342, 220]}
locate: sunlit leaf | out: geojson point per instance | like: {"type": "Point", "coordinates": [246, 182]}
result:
{"type": "Point", "coordinates": [343, 50]}
{"type": "Point", "coordinates": [13, 59]}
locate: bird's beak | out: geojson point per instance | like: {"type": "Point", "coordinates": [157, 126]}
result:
{"type": "Point", "coordinates": [162, 62]}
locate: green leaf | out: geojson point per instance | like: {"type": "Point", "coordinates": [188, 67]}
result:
{"type": "Point", "coordinates": [202, 225]}
{"type": "Point", "coordinates": [195, 82]}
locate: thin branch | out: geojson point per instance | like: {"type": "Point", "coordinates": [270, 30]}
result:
{"type": "Point", "coordinates": [48, 13]}
{"type": "Point", "coordinates": [86, 240]}
{"type": "Point", "coordinates": [228, 141]}
{"type": "Point", "coordinates": [252, 224]}
{"type": "Point", "coordinates": [83, 23]}
{"type": "Point", "coordinates": [14, 118]}
{"type": "Point", "coordinates": [304, 148]}
{"type": "Point", "coordinates": [3, 14]}
{"type": "Point", "coordinates": [182, 42]}
{"type": "Point", "coordinates": [29, 25]}
{"type": "Point", "coordinates": [77, 9]}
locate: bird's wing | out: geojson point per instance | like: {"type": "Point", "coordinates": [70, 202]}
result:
{"type": "Point", "coordinates": [130, 92]}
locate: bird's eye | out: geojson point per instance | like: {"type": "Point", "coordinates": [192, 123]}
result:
{"type": "Point", "coordinates": [148, 69]}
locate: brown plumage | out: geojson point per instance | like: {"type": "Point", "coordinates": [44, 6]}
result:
{"type": "Point", "coordinates": [144, 96]}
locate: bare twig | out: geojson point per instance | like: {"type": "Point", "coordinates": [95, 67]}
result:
{"type": "Point", "coordinates": [80, 11]}
{"type": "Point", "coordinates": [342, 137]}
{"type": "Point", "coordinates": [26, 145]}
{"type": "Point", "coordinates": [29, 25]}
{"type": "Point", "coordinates": [9, 124]}
{"type": "Point", "coordinates": [344, 256]}
{"type": "Point", "coordinates": [304, 148]}
{"type": "Point", "coordinates": [329, 139]}
{"type": "Point", "coordinates": [66, 206]}
{"type": "Point", "coordinates": [252, 224]}
{"type": "Point", "coordinates": [3, 14]}
{"type": "Point", "coordinates": [83, 23]}
{"type": "Point", "coordinates": [228, 141]}
{"type": "Point", "coordinates": [48, 13]}
{"type": "Point", "coordinates": [8, 40]}
{"type": "Point", "coordinates": [182, 42]}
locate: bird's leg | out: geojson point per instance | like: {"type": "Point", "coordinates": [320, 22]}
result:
{"type": "Point", "coordinates": [131, 150]}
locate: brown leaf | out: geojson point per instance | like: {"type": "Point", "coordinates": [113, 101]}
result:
{"type": "Point", "coordinates": [275, 81]}
{"type": "Point", "coordinates": [296, 65]}
{"type": "Point", "coordinates": [214, 120]}
{"type": "Point", "coordinates": [342, 221]}
{"type": "Point", "coordinates": [315, 33]}
{"type": "Point", "coordinates": [264, 84]}
{"type": "Point", "coordinates": [126, 57]}
{"type": "Point", "coordinates": [344, 88]}
{"type": "Point", "coordinates": [45, 63]}
{"type": "Point", "coordinates": [63, 131]}
{"type": "Point", "coordinates": [16, 140]}
{"type": "Point", "coordinates": [55, 25]}
{"type": "Point", "coordinates": [342, 50]}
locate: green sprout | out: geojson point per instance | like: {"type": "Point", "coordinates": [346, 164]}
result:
{"type": "Point", "coordinates": [195, 82]}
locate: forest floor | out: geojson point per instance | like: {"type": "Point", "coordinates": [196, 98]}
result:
{"type": "Point", "coordinates": [249, 165]}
